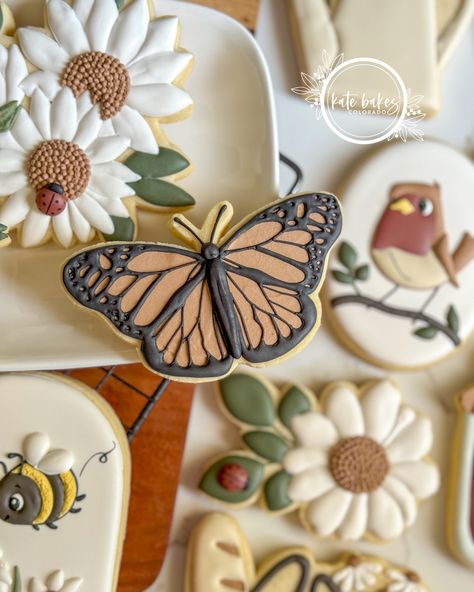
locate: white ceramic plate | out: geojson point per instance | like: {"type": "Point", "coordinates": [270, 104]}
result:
{"type": "Point", "coordinates": [231, 139]}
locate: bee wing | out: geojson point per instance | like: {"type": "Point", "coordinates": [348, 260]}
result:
{"type": "Point", "coordinates": [57, 462]}
{"type": "Point", "coordinates": [35, 448]}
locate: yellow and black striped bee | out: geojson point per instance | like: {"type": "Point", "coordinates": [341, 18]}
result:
{"type": "Point", "coordinates": [42, 488]}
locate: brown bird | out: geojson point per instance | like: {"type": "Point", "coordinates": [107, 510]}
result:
{"type": "Point", "coordinates": [410, 245]}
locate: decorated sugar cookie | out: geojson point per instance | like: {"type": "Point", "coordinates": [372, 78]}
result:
{"type": "Point", "coordinates": [400, 287]}
{"type": "Point", "coordinates": [220, 559]}
{"type": "Point", "coordinates": [64, 484]}
{"type": "Point", "coordinates": [353, 462]}
{"type": "Point", "coordinates": [460, 521]}
{"type": "Point", "coordinates": [246, 295]}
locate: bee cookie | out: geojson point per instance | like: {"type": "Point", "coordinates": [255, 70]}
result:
{"type": "Point", "coordinates": [220, 559]}
{"type": "Point", "coordinates": [246, 295]}
{"type": "Point", "coordinates": [400, 288]}
{"type": "Point", "coordinates": [353, 462]}
{"type": "Point", "coordinates": [81, 104]}
{"type": "Point", "coordinates": [64, 486]}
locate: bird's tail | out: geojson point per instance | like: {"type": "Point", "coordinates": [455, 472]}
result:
{"type": "Point", "coordinates": [464, 253]}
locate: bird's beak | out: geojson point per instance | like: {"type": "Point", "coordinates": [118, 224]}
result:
{"type": "Point", "coordinates": [403, 205]}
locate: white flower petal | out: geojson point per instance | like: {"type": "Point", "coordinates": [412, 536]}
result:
{"type": "Point", "coordinates": [25, 132]}
{"type": "Point", "coordinates": [112, 205]}
{"type": "Point", "coordinates": [15, 208]}
{"type": "Point", "coordinates": [405, 417]}
{"type": "Point", "coordinates": [66, 28]}
{"type": "Point", "coordinates": [83, 8]}
{"type": "Point", "coordinates": [130, 124]}
{"type": "Point", "coordinates": [129, 31]}
{"type": "Point", "coordinates": [16, 72]}
{"type": "Point", "coordinates": [160, 67]}
{"type": "Point", "coordinates": [42, 51]}
{"type": "Point", "coordinates": [412, 443]}
{"type": "Point", "coordinates": [117, 170]}
{"type": "Point", "coordinates": [11, 161]}
{"type": "Point", "coordinates": [95, 214]}
{"type": "Point", "coordinates": [380, 406]}
{"type": "Point", "coordinates": [36, 586]}
{"type": "Point", "coordinates": [4, 587]}
{"type": "Point", "coordinates": [55, 580]}
{"type": "Point", "coordinates": [310, 484]}
{"type": "Point", "coordinates": [62, 229]}
{"type": "Point", "coordinates": [3, 90]}
{"type": "Point", "coordinates": [301, 459]}
{"type": "Point", "coordinates": [109, 186]}
{"type": "Point", "coordinates": [80, 226]}
{"type": "Point", "coordinates": [404, 498]}
{"type": "Point", "coordinates": [84, 105]}
{"type": "Point", "coordinates": [47, 82]}
{"type": "Point", "coordinates": [385, 517]}
{"type": "Point", "coordinates": [64, 116]}
{"type": "Point", "coordinates": [342, 407]}
{"type": "Point", "coordinates": [3, 59]}
{"type": "Point", "coordinates": [12, 182]}
{"type": "Point", "coordinates": [72, 585]}
{"type": "Point", "coordinates": [421, 478]}
{"type": "Point", "coordinates": [107, 149]}
{"type": "Point", "coordinates": [355, 522]}
{"type": "Point", "coordinates": [327, 513]}
{"type": "Point", "coordinates": [99, 24]}
{"type": "Point", "coordinates": [88, 128]}
{"type": "Point", "coordinates": [397, 587]}
{"type": "Point", "coordinates": [34, 229]}
{"type": "Point", "coordinates": [159, 100]}
{"type": "Point", "coordinates": [345, 579]}
{"type": "Point", "coordinates": [162, 35]}
{"type": "Point", "coordinates": [40, 109]}
{"type": "Point", "coordinates": [107, 128]}
{"type": "Point", "coordinates": [314, 430]}
{"type": "Point", "coordinates": [7, 142]}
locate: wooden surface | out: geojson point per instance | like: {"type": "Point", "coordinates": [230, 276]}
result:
{"type": "Point", "coordinates": [245, 11]}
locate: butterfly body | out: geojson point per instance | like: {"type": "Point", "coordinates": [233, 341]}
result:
{"type": "Point", "coordinates": [247, 295]}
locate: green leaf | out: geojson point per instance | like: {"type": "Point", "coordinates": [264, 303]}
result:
{"type": "Point", "coordinates": [16, 580]}
{"type": "Point", "coordinates": [210, 481]}
{"type": "Point", "coordinates": [153, 166]}
{"type": "Point", "coordinates": [428, 332]}
{"type": "Point", "coordinates": [1, 18]}
{"type": "Point", "coordinates": [453, 319]}
{"type": "Point", "coordinates": [267, 445]}
{"type": "Point", "coordinates": [362, 273]}
{"type": "Point", "coordinates": [247, 399]}
{"type": "Point", "coordinates": [3, 232]}
{"type": "Point", "coordinates": [162, 193]}
{"type": "Point", "coordinates": [119, 3]}
{"type": "Point", "coordinates": [276, 491]}
{"type": "Point", "coordinates": [294, 402]}
{"type": "Point", "coordinates": [347, 255]}
{"type": "Point", "coordinates": [124, 229]}
{"type": "Point", "coordinates": [8, 114]}
{"type": "Point", "coordinates": [342, 277]}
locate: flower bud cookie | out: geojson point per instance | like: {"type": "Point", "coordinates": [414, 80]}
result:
{"type": "Point", "coordinates": [353, 461]}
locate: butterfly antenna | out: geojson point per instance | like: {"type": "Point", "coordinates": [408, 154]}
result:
{"type": "Point", "coordinates": [4, 467]}
{"type": "Point", "coordinates": [181, 223]}
{"type": "Point", "coordinates": [222, 211]}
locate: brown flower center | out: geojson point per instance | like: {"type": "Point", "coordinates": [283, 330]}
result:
{"type": "Point", "coordinates": [104, 76]}
{"type": "Point", "coordinates": [358, 464]}
{"type": "Point", "coordinates": [61, 162]}
{"type": "Point", "coordinates": [413, 577]}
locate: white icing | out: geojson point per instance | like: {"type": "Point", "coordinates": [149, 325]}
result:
{"type": "Point", "coordinates": [6, 579]}
{"type": "Point", "coordinates": [147, 48]}
{"type": "Point", "coordinates": [35, 447]}
{"type": "Point", "coordinates": [57, 462]}
{"type": "Point", "coordinates": [12, 72]}
{"type": "Point", "coordinates": [357, 578]}
{"type": "Point", "coordinates": [392, 507]}
{"type": "Point", "coordinates": [74, 422]}
{"type": "Point", "coordinates": [400, 582]}
{"type": "Point", "coordinates": [62, 119]}
{"type": "Point", "coordinates": [387, 339]}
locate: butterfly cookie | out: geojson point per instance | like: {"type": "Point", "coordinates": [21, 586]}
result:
{"type": "Point", "coordinates": [249, 294]}
{"type": "Point", "coordinates": [220, 560]}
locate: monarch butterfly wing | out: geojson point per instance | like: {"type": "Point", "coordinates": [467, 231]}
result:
{"type": "Point", "coordinates": [151, 293]}
{"type": "Point", "coordinates": [290, 574]}
{"type": "Point", "coordinates": [275, 263]}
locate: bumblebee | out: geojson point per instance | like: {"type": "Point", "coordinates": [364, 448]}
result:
{"type": "Point", "coordinates": [42, 488]}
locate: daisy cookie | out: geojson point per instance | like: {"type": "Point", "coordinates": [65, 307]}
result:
{"type": "Point", "coordinates": [220, 559]}
{"type": "Point", "coordinates": [353, 462]}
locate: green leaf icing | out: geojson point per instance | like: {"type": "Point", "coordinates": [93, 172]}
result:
{"type": "Point", "coordinates": [276, 491]}
{"type": "Point", "coordinates": [1, 18]}
{"type": "Point", "coordinates": [3, 232]}
{"type": "Point", "coordinates": [295, 402]}
{"type": "Point", "coordinates": [124, 229]}
{"type": "Point", "coordinates": [153, 166]}
{"type": "Point", "coordinates": [162, 193]}
{"type": "Point", "coordinates": [8, 114]}
{"type": "Point", "coordinates": [267, 445]}
{"type": "Point", "coordinates": [119, 3]}
{"type": "Point", "coordinates": [210, 484]}
{"type": "Point", "coordinates": [347, 255]}
{"type": "Point", "coordinates": [453, 319]}
{"type": "Point", "coordinates": [16, 580]}
{"type": "Point", "coordinates": [342, 276]}
{"type": "Point", "coordinates": [427, 332]}
{"type": "Point", "coordinates": [362, 273]}
{"type": "Point", "coordinates": [248, 400]}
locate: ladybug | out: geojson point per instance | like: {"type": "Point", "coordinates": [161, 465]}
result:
{"type": "Point", "coordinates": [50, 200]}
{"type": "Point", "coordinates": [233, 477]}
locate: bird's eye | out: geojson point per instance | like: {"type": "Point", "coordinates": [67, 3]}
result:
{"type": "Point", "coordinates": [426, 207]}
{"type": "Point", "coordinates": [16, 502]}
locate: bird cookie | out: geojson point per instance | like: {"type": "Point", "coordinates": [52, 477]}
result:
{"type": "Point", "coordinates": [220, 559]}
{"type": "Point", "coordinates": [353, 461]}
{"type": "Point", "coordinates": [245, 295]}
{"type": "Point", "coordinates": [399, 293]}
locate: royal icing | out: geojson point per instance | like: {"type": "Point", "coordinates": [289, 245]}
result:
{"type": "Point", "coordinates": [250, 295]}
{"type": "Point", "coordinates": [354, 463]}
{"type": "Point", "coordinates": [400, 287]}
{"type": "Point", "coordinates": [64, 484]}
